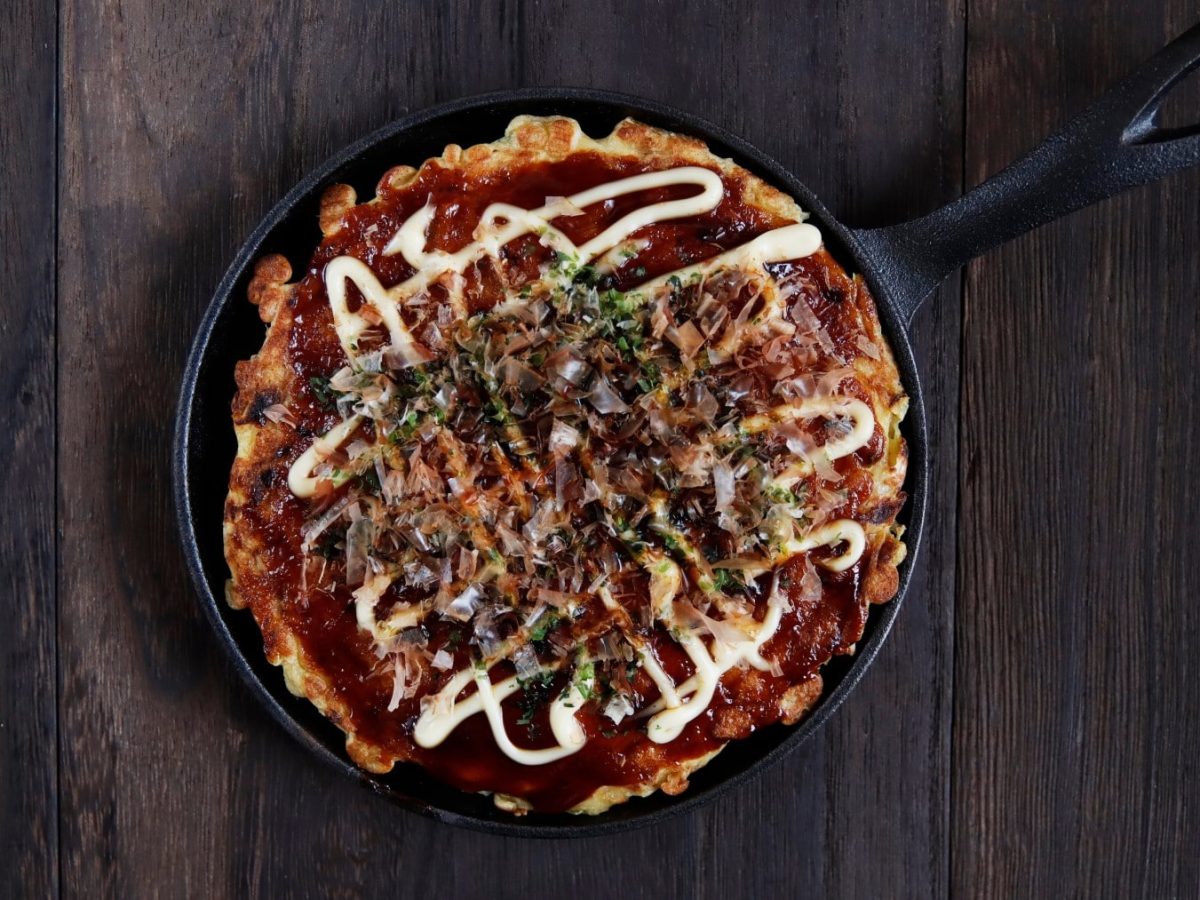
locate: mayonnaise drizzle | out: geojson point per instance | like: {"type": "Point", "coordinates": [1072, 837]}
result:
{"type": "Point", "coordinates": [301, 480]}
{"type": "Point", "coordinates": [789, 242]}
{"type": "Point", "coordinates": [501, 223]}
{"type": "Point", "coordinates": [490, 235]}
{"type": "Point", "coordinates": [862, 422]}
{"type": "Point", "coordinates": [350, 326]}
{"type": "Point", "coordinates": [678, 704]}
{"type": "Point", "coordinates": [404, 615]}
{"type": "Point", "coordinates": [443, 713]}
{"type": "Point", "coordinates": [671, 714]}
{"type": "Point", "coordinates": [842, 530]}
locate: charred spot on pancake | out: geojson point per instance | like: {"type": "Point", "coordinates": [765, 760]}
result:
{"type": "Point", "coordinates": [886, 511]}
{"type": "Point", "coordinates": [262, 401]}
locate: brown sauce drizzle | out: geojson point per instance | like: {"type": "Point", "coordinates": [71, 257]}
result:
{"type": "Point", "coordinates": [324, 620]}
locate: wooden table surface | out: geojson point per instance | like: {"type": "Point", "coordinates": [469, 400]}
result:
{"type": "Point", "coordinates": [1032, 726]}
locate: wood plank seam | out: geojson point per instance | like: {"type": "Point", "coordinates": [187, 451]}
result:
{"type": "Point", "coordinates": [959, 468]}
{"type": "Point", "coordinates": [58, 737]}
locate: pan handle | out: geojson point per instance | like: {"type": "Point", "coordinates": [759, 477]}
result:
{"type": "Point", "coordinates": [1112, 145]}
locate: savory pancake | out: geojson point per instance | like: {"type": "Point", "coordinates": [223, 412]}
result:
{"type": "Point", "coordinates": [564, 463]}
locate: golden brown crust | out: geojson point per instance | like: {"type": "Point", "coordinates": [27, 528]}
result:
{"type": "Point", "coordinates": [336, 201]}
{"type": "Point", "coordinates": [799, 699]}
{"type": "Point", "coordinates": [268, 379]}
{"type": "Point", "coordinates": [269, 289]}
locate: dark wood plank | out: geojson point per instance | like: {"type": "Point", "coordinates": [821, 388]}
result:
{"type": "Point", "coordinates": [1076, 715]}
{"type": "Point", "coordinates": [855, 821]}
{"type": "Point", "coordinates": [179, 133]}
{"type": "Point", "coordinates": [28, 709]}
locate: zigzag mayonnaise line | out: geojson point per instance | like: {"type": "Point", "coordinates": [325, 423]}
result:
{"type": "Point", "coordinates": [681, 703]}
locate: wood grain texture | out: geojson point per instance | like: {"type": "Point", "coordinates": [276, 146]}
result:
{"type": "Point", "coordinates": [177, 138]}
{"type": "Point", "coordinates": [1034, 736]}
{"type": "Point", "coordinates": [1076, 713]}
{"type": "Point", "coordinates": [28, 709]}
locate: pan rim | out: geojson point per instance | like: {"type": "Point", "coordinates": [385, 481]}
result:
{"type": "Point", "coordinates": [881, 619]}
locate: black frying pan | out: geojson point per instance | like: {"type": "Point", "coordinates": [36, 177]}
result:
{"type": "Point", "coordinates": [1113, 145]}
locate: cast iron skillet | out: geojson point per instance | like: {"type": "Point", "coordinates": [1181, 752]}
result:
{"type": "Point", "coordinates": [1113, 145]}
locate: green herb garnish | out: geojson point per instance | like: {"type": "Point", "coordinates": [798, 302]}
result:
{"type": "Point", "coordinates": [651, 377]}
{"type": "Point", "coordinates": [543, 626]}
{"type": "Point", "coordinates": [586, 275]}
{"type": "Point", "coordinates": [535, 693]}
{"type": "Point", "coordinates": [405, 429]}
{"type": "Point", "coordinates": [779, 494]}
{"type": "Point", "coordinates": [585, 680]}
{"type": "Point", "coordinates": [726, 580]}
{"type": "Point", "coordinates": [370, 481]}
{"type": "Point", "coordinates": [325, 395]}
